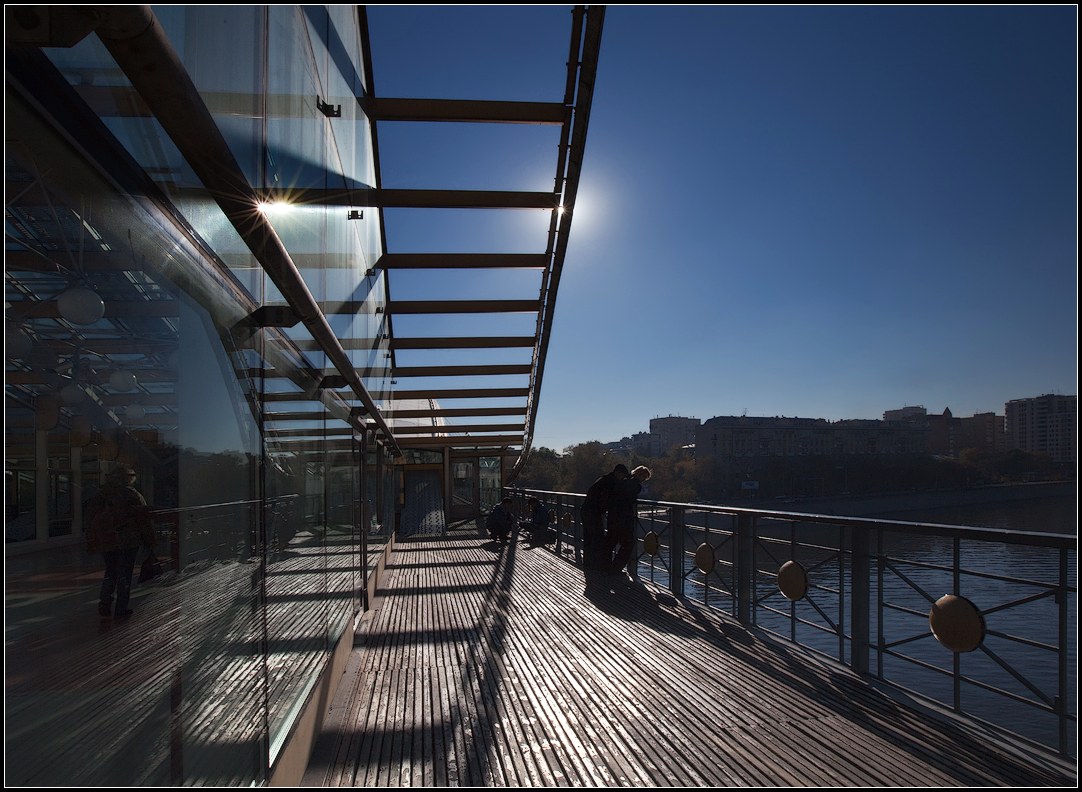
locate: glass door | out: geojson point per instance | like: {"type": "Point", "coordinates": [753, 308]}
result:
{"type": "Point", "coordinates": [465, 490]}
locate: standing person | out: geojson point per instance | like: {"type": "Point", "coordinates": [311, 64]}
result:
{"type": "Point", "coordinates": [118, 524]}
{"type": "Point", "coordinates": [594, 508]}
{"type": "Point", "coordinates": [500, 521]}
{"type": "Point", "coordinates": [620, 541]}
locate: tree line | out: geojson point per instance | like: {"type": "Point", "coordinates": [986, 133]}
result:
{"type": "Point", "coordinates": [678, 476]}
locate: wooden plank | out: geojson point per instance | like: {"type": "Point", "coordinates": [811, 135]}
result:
{"type": "Point", "coordinates": [532, 676]}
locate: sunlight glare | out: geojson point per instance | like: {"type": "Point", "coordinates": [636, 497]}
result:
{"type": "Point", "coordinates": [274, 208]}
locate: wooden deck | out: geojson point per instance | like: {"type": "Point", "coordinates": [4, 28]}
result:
{"type": "Point", "coordinates": [487, 665]}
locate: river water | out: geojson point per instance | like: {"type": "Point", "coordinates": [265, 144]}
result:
{"type": "Point", "coordinates": [1012, 586]}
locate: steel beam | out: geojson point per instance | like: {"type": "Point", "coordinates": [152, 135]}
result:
{"type": "Point", "coordinates": [464, 111]}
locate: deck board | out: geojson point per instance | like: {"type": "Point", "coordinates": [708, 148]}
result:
{"type": "Point", "coordinates": [488, 665]}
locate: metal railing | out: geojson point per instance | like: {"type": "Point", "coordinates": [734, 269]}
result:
{"type": "Point", "coordinates": [979, 621]}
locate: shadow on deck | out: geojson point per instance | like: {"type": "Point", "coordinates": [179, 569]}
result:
{"type": "Point", "coordinates": [502, 665]}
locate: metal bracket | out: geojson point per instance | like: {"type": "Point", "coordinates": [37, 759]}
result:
{"type": "Point", "coordinates": [329, 110]}
{"type": "Point", "coordinates": [332, 381]}
{"type": "Point", "coordinates": [356, 214]}
{"type": "Point", "coordinates": [273, 316]}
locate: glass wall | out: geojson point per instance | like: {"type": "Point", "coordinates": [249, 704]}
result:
{"type": "Point", "coordinates": [137, 372]}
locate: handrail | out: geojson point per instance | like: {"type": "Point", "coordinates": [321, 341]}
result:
{"type": "Point", "coordinates": [182, 509]}
{"type": "Point", "coordinates": [862, 603]}
{"type": "Point", "coordinates": [1040, 538]}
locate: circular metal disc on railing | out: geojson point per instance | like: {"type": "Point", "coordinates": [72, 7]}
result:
{"type": "Point", "coordinates": [567, 520]}
{"type": "Point", "coordinates": [956, 623]}
{"type": "Point", "coordinates": [793, 580]}
{"type": "Point", "coordinates": [651, 543]}
{"type": "Point", "coordinates": [704, 558]}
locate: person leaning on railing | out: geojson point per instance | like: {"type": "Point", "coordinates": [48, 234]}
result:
{"type": "Point", "coordinates": [597, 504]}
{"type": "Point", "coordinates": [620, 540]}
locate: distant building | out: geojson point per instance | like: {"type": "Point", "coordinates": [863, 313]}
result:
{"type": "Point", "coordinates": [943, 430]}
{"type": "Point", "coordinates": [984, 432]}
{"type": "Point", "coordinates": [731, 437]}
{"type": "Point", "coordinates": [1044, 425]}
{"type": "Point", "coordinates": [916, 413]}
{"type": "Point", "coordinates": [673, 432]}
{"type": "Point", "coordinates": [645, 444]}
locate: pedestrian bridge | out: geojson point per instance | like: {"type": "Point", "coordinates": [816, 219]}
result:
{"type": "Point", "coordinates": [507, 665]}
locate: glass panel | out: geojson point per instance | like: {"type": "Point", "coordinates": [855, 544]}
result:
{"type": "Point", "coordinates": [463, 485]}
{"type": "Point", "coordinates": [254, 487]}
{"type": "Point", "coordinates": [296, 579]}
{"type": "Point", "coordinates": [19, 510]}
{"type": "Point", "coordinates": [215, 472]}
{"type": "Point", "coordinates": [115, 680]}
{"type": "Point", "coordinates": [491, 483]}
{"type": "Point", "coordinates": [378, 527]}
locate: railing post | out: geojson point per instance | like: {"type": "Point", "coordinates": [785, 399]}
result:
{"type": "Point", "coordinates": [1061, 691]}
{"type": "Point", "coordinates": [676, 550]}
{"type": "Point", "coordinates": [564, 524]}
{"type": "Point", "coordinates": [860, 607]}
{"type": "Point", "coordinates": [745, 572]}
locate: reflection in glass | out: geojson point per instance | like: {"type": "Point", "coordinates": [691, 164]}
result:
{"type": "Point", "coordinates": [256, 491]}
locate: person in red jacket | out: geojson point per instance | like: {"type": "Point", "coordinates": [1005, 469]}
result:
{"type": "Point", "coordinates": [118, 524]}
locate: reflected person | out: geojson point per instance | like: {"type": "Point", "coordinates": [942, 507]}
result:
{"type": "Point", "coordinates": [118, 524]}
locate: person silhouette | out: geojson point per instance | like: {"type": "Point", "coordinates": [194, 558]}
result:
{"type": "Point", "coordinates": [118, 524]}
{"type": "Point", "coordinates": [594, 509]}
{"type": "Point", "coordinates": [539, 519]}
{"type": "Point", "coordinates": [501, 521]}
{"type": "Point", "coordinates": [623, 516]}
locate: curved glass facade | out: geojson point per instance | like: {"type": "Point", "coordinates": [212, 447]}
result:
{"type": "Point", "coordinates": [269, 507]}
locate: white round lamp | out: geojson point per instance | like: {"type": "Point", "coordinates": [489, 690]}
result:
{"type": "Point", "coordinates": [81, 306]}
{"type": "Point", "coordinates": [123, 381]}
{"type": "Point", "coordinates": [71, 395]}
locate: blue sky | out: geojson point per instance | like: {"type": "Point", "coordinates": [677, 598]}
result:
{"type": "Point", "coordinates": [824, 212]}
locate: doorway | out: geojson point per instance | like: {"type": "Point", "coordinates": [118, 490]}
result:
{"type": "Point", "coordinates": [476, 486]}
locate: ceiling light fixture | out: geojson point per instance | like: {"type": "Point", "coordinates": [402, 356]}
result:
{"type": "Point", "coordinates": [80, 305]}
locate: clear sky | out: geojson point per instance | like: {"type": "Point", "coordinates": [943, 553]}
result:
{"type": "Point", "coordinates": [823, 212]}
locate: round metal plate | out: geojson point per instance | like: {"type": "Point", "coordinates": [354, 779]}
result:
{"type": "Point", "coordinates": [793, 580]}
{"type": "Point", "coordinates": [957, 623]}
{"type": "Point", "coordinates": [650, 543]}
{"type": "Point", "coordinates": [704, 558]}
